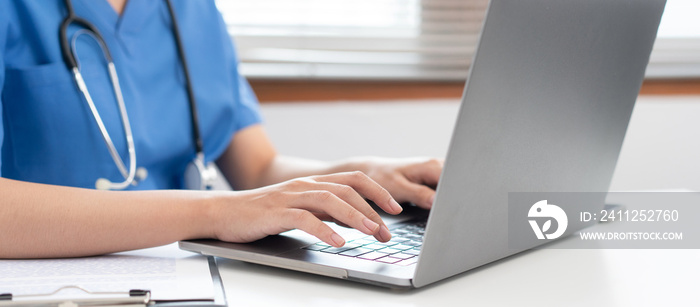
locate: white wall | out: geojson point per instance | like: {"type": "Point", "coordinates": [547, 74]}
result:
{"type": "Point", "coordinates": [661, 150]}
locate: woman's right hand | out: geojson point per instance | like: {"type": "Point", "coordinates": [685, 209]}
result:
{"type": "Point", "coordinates": [303, 204]}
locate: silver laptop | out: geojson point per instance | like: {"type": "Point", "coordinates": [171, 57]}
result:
{"type": "Point", "coordinates": [545, 109]}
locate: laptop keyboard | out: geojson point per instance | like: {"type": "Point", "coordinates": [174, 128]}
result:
{"type": "Point", "coordinates": [402, 249]}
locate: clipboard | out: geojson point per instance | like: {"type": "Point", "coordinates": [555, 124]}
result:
{"type": "Point", "coordinates": [132, 298]}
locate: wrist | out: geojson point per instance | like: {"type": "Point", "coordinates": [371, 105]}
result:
{"type": "Point", "coordinates": [201, 215]}
{"type": "Point", "coordinates": [362, 164]}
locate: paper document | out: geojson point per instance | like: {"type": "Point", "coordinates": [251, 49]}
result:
{"type": "Point", "coordinates": [168, 272]}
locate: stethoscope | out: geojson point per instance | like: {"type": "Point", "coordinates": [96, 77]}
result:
{"type": "Point", "coordinates": [198, 175]}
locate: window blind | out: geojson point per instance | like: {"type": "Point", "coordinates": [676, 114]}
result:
{"type": "Point", "coordinates": [396, 39]}
{"type": "Point", "coordinates": [676, 53]}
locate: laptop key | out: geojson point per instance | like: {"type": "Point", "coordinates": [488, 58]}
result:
{"type": "Point", "coordinates": [356, 252]}
{"type": "Point", "coordinates": [315, 247]}
{"type": "Point", "coordinates": [397, 240]}
{"type": "Point", "coordinates": [407, 261]}
{"type": "Point", "coordinates": [403, 256]}
{"type": "Point", "coordinates": [362, 241]}
{"type": "Point", "coordinates": [374, 246]}
{"type": "Point", "coordinates": [389, 250]}
{"type": "Point", "coordinates": [412, 243]}
{"type": "Point", "coordinates": [336, 250]}
{"type": "Point", "coordinates": [386, 244]}
{"type": "Point", "coordinates": [414, 237]}
{"type": "Point", "coordinates": [389, 259]}
{"type": "Point", "coordinates": [402, 247]}
{"type": "Point", "coordinates": [372, 256]}
{"type": "Point", "coordinates": [411, 252]}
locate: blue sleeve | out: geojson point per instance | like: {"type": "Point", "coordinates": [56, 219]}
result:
{"type": "Point", "coordinates": [248, 109]}
{"type": "Point", "coordinates": [3, 41]}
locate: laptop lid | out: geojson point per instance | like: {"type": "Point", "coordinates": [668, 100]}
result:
{"type": "Point", "coordinates": [545, 109]}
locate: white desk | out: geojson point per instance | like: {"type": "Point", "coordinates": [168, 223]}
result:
{"type": "Point", "coordinates": [661, 151]}
{"type": "Point", "coordinates": [535, 278]}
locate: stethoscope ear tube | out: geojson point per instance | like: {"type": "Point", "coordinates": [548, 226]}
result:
{"type": "Point", "coordinates": [63, 37]}
{"type": "Point", "coordinates": [68, 56]}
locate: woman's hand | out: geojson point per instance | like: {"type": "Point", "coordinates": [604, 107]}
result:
{"type": "Point", "coordinates": [302, 204]}
{"type": "Point", "coordinates": [408, 180]}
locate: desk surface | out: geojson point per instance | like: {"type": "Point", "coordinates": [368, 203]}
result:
{"type": "Point", "coordinates": [535, 278]}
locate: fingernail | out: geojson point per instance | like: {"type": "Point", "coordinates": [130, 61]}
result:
{"type": "Point", "coordinates": [371, 226]}
{"type": "Point", "coordinates": [396, 205]}
{"type": "Point", "coordinates": [338, 240]}
{"type": "Point", "coordinates": [432, 200]}
{"type": "Point", "coordinates": [384, 233]}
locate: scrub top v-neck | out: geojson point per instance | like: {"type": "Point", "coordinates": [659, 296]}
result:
{"type": "Point", "coordinates": [48, 134]}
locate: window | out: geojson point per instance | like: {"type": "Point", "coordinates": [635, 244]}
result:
{"type": "Point", "coordinates": [401, 39]}
{"type": "Point", "coordinates": [677, 50]}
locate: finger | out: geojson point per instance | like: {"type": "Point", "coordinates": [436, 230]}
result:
{"type": "Point", "coordinates": [384, 234]}
{"type": "Point", "coordinates": [418, 194]}
{"type": "Point", "coordinates": [367, 188]}
{"type": "Point", "coordinates": [346, 193]}
{"type": "Point", "coordinates": [353, 198]}
{"type": "Point", "coordinates": [427, 173]}
{"type": "Point", "coordinates": [328, 218]}
{"type": "Point", "coordinates": [330, 203]}
{"type": "Point", "coordinates": [309, 223]}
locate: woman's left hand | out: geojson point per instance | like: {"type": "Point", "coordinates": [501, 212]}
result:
{"type": "Point", "coordinates": [407, 180]}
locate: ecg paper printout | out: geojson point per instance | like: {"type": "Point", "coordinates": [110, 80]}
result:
{"type": "Point", "coordinates": [170, 274]}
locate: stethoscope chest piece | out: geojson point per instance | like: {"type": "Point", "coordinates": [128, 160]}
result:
{"type": "Point", "coordinates": [200, 175]}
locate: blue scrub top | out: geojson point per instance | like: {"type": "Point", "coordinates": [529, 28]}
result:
{"type": "Point", "coordinates": [48, 133]}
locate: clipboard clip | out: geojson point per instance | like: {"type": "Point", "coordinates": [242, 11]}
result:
{"type": "Point", "coordinates": [131, 298]}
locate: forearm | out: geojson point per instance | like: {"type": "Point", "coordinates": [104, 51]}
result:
{"type": "Point", "coordinates": [39, 221]}
{"type": "Point", "coordinates": [251, 161]}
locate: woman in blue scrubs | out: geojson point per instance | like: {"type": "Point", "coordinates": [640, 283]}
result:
{"type": "Point", "coordinates": [53, 151]}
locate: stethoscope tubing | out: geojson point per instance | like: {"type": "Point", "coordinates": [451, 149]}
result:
{"type": "Point", "coordinates": [114, 79]}
{"type": "Point", "coordinates": [194, 116]}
